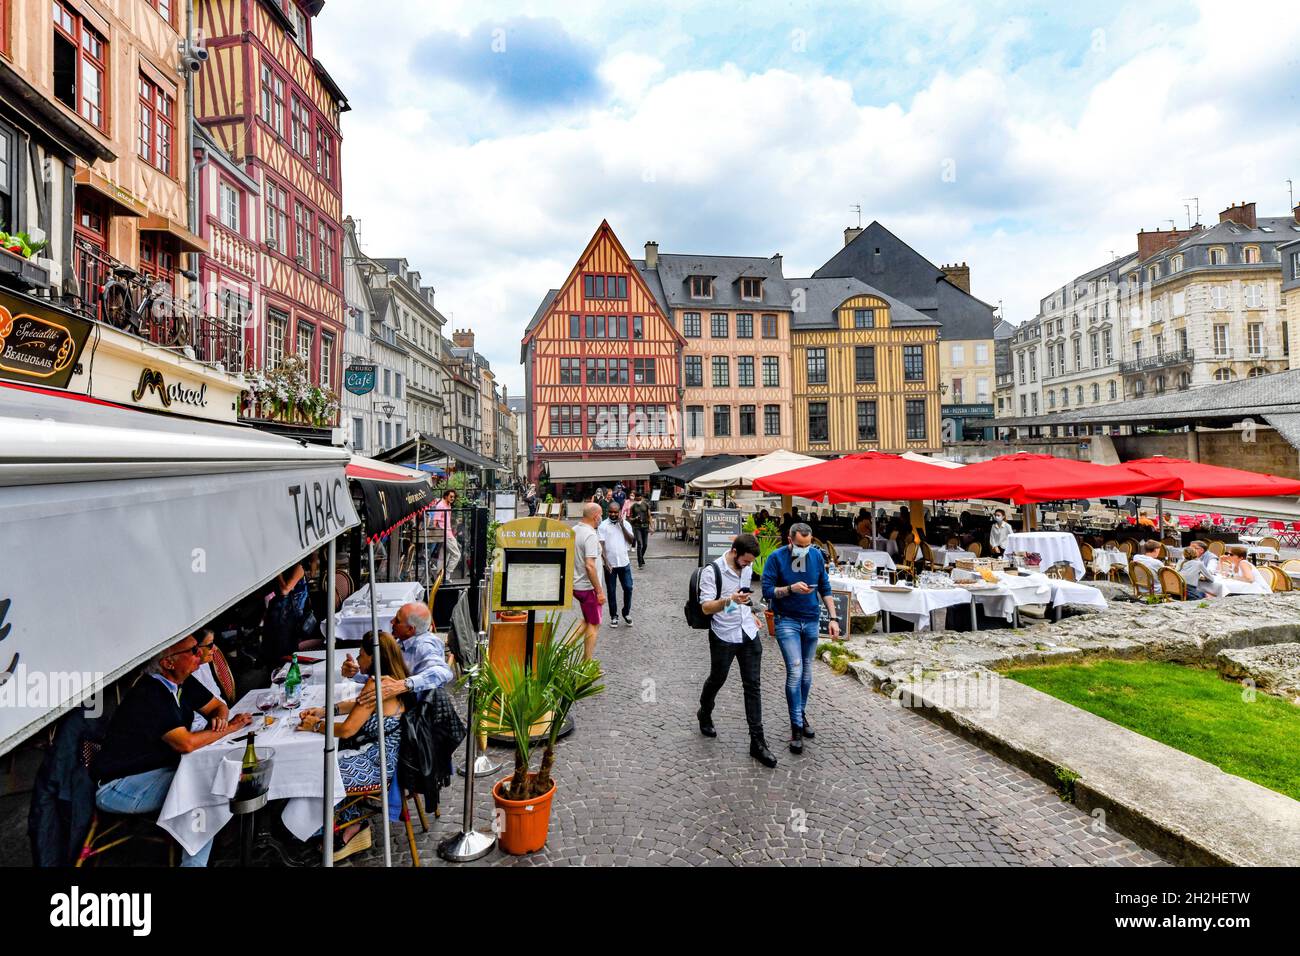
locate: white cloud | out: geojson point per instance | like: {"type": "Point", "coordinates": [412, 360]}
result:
{"type": "Point", "coordinates": [1055, 165]}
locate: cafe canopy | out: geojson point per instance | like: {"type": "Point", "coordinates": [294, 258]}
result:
{"type": "Point", "coordinates": [694, 467]}
{"type": "Point", "coordinates": [1193, 479]}
{"type": "Point", "coordinates": [1047, 478]}
{"type": "Point", "coordinates": [391, 494]}
{"type": "Point", "coordinates": [879, 476]}
{"type": "Point", "coordinates": [745, 473]}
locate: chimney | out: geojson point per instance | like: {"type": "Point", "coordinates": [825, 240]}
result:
{"type": "Point", "coordinates": [464, 338]}
{"type": "Point", "coordinates": [1158, 240]}
{"type": "Point", "coordinates": [1296, 213]}
{"type": "Point", "coordinates": [852, 233]}
{"type": "Point", "coordinates": [958, 275]}
{"type": "Point", "coordinates": [780, 262]}
{"type": "Point", "coordinates": [1242, 215]}
{"type": "Point", "coordinates": [652, 255]}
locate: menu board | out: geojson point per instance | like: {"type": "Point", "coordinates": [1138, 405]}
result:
{"type": "Point", "coordinates": [843, 601]}
{"type": "Point", "coordinates": [718, 526]}
{"type": "Point", "coordinates": [533, 577]}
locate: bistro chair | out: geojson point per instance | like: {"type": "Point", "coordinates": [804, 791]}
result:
{"type": "Point", "coordinates": [343, 587]}
{"type": "Point", "coordinates": [1172, 584]}
{"type": "Point", "coordinates": [376, 802]}
{"type": "Point", "coordinates": [927, 553]}
{"type": "Point", "coordinates": [1061, 572]}
{"type": "Point", "coordinates": [221, 671]}
{"type": "Point", "coordinates": [1266, 574]}
{"type": "Point", "coordinates": [1291, 567]}
{"type": "Point", "coordinates": [1276, 578]}
{"type": "Point", "coordinates": [908, 566]}
{"type": "Point", "coordinates": [109, 830]}
{"type": "Point", "coordinates": [1270, 542]}
{"type": "Point", "coordinates": [1127, 547]}
{"type": "Point", "coordinates": [1086, 552]}
{"type": "Point", "coordinates": [976, 548]}
{"type": "Point", "coordinates": [1217, 548]}
{"type": "Point", "coordinates": [1140, 577]}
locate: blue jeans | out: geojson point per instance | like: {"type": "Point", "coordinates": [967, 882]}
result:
{"type": "Point", "coordinates": [144, 793]}
{"type": "Point", "coordinates": [798, 642]}
{"type": "Point", "coordinates": [619, 575]}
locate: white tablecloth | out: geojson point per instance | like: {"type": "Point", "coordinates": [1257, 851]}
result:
{"type": "Point", "coordinates": [1103, 561]}
{"type": "Point", "coordinates": [1012, 592]}
{"type": "Point", "coordinates": [388, 592]}
{"type": "Point", "coordinates": [198, 803]}
{"type": "Point", "coordinates": [353, 620]}
{"type": "Point", "coordinates": [914, 605]}
{"type": "Point", "coordinates": [1258, 552]}
{"type": "Point", "coordinates": [856, 555]}
{"type": "Point", "coordinates": [1223, 587]}
{"type": "Point", "coordinates": [1052, 545]}
{"type": "Point", "coordinates": [1074, 592]}
{"type": "Point", "coordinates": [946, 556]}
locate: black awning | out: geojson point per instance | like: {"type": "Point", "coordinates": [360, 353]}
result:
{"type": "Point", "coordinates": [387, 499]}
{"type": "Point", "coordinates": [431, 448]}
{"type": "Point", "coordinates": [692, 468]}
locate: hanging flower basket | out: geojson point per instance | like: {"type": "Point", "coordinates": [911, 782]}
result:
{"type": "Point", "coordinates": [287, 394]}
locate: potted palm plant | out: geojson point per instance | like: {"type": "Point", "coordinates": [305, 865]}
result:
{"type": "Point", "coordinates": [769, 539]}
{"type": "Point", "coordinates": [512, 702]}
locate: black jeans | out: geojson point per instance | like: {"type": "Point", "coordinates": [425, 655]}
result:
{"type": "Point", "coordinates": [614, 576]}
{"type": "Point", "coordinates": [750, 653]}
{"type": "Point", "coordinates": [642, 534]}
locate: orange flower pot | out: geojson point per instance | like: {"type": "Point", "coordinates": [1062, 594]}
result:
{"type": "Point", "coordinates": [525, 822]}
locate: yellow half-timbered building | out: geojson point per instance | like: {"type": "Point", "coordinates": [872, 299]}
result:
{"type": "Point", "coordinates": [866, 370]}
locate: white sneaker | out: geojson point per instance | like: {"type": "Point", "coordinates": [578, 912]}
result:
{"type": "Point", "coordinates": [613, 622]}
{"type": "Point", "coordinates": [627, 620]}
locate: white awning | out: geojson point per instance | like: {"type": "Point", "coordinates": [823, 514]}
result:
{"type": "Point", "coordinates": [602, 469]}
{"type": "Point", "coordinates": [124, 530]}
{"type": "Point", "coordinates": [742, 474]}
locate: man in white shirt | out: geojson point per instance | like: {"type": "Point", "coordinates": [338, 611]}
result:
{"type": "Point", "coordinates": [616, 535]}
{"type": "Point", "coordinates": [1150, 559]}
{"type": "Point", "coordinates": [725, 592]}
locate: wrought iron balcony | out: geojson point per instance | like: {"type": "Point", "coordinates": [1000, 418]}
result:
{"type": "Point", "coordinates": [1162, 360]}
{"type": "Point", "coordinates": [141, 305]}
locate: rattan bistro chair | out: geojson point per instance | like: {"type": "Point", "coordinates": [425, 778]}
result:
{"type": "Point", "coordinates": [1217, 548]}
{"type": "Point", "coordinates": [1172, 584]}
{"type": "Point", "coordinates": [1141, 578]}
{"type": "Point", "coordinates": [109, 830]}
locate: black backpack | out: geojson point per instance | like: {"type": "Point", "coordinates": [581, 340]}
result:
{"type": "Point", "coordinates": [695, 616]}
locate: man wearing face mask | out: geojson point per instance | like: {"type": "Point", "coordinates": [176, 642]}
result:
{"type": "Point", "coordinates": [795, 585]}
{"type": "Point", "coordinates": [999, 533]}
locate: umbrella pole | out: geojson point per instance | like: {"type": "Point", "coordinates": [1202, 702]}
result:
{"type": "Point", "coordinates": [331, 745]}
{"type": "Point", "coordinates": [379, 707]}
{"type": "Point", "coordinates": [873, 525]}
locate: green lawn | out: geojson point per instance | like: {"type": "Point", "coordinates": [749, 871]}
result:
{"type": "Point", "coordinates": [1191, 709]}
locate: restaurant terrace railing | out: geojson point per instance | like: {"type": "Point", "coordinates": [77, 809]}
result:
{"type": "Point", "coordinates": [146, 306]}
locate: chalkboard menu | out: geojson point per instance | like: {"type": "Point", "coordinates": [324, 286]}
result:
{"type": "Point", "coordinates": [843, 601]}
{"type": "Point", "coordinates": [717, 527]}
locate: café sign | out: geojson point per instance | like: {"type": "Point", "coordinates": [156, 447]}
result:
{"type": "Point", "coordinates": [359, 379]}
{"type": "Point", "coordinates": [38, 345]}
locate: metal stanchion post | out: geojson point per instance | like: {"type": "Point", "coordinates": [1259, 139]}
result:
{"type": "Point", "coordinates": [470, 844]}
{"type": "Point", "coordinates": [484, 766]}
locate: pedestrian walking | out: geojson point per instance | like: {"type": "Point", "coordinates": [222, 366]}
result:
{"type": "Point", "coordinates": [795, 585]}
{"type": "Point", "coordinates": [639, 518]}
{"type": "Point", "coordinates": [588, 583]}
{"type": "Point", "coordinates": [617, 537]}
{"type": "Point", "coordinates": [725, 593]}
{"type": "Point", "coordinates": [530, 498]}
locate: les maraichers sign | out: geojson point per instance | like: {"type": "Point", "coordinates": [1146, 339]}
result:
{"type": "Point", "coordinates": [39, 345]}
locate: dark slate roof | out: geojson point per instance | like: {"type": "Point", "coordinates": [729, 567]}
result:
{"type": "Point", "coordinates": [655, 286]}
{"type": "Point", "coordinates": [675, 271]}
{"type": "Point", "coordinates": [1225, 233]}
{"type": "Point", "coordinates": [1289, 280]}
{"type": "Point", "coordinates": [547, 301]}
{"type": "Point", "coordinates": [901, 271]}
{"type": "Point", "coordinates": [1263, 396]}
{"type": "Point", "coordinates": [822, 296]}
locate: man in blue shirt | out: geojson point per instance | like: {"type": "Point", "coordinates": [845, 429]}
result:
{"type": "Point", "coordinates": [795, 585]}
{"type": "Point", "coordinates": [422, 652]}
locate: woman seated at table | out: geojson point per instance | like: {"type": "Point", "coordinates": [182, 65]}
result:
{"type": "Point", "coordinates": [1235, 566]}
{"type": "Point", "coordinates": [359, 733]}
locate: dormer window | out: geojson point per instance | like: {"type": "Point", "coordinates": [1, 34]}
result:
{"type": "Point", "coordinates": [1218, 256]}
{"type": "Point", "coordinates": [701, 287]}
{"type": "Point", "coordinates": [1250, 255]}
{"type": "Point", "coordinates": [1176, 264]}
{"type": "Point", "coordinates": [751, 289]}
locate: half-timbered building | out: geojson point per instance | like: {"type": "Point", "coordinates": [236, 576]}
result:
{"type": "Point", "coordinates": [866, 370]}
{"type": "Point", "coordinates": [274, 109]}
{"type": "Point", "coordinates": [602, 366]}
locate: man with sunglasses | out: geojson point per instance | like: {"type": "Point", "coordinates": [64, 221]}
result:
{"type": "Point", "coordinates": [151, 730]}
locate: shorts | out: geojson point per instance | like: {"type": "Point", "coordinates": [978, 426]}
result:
{"type": "Point", "coordinates": [590, 605]}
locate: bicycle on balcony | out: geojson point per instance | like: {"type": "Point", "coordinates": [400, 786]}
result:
{"type": "Point", "coordinates": [158, 317]}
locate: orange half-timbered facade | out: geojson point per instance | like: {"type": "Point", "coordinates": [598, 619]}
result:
{"type": "Point", "coordinates": [272, 107]}
{"type": "Point", "coordinates": [602, 364]}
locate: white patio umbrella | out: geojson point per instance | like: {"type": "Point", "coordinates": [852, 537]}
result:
{"type": "Point", "coordinates": [928, 460]}
{"type": "Point", "coordinates": [742, 474]}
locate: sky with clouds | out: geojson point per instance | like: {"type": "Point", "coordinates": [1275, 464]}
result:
{"type": "Point", "coordinates": [487, 140]}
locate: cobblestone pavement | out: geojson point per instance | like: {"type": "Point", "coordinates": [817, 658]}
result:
{"type": "Point", "coordinates": [879, 784]}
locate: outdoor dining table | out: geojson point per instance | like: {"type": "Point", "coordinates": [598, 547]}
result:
{"type": "Point", "coordinates": [1225, 587]}
{"type": "Point", "coordinates": [856, 555]}
{"type": "Point", "coordinates": [946, 556]}
{"type": "Point", "coordinates": [198, 803]}
{"type": "Point", "coordinates": [388, 592]}
{"type": "Point", "coordinates": [1010, 593]}
{"type": "Point", "coordinates": [353, 620]}
{"type": "Point", "coordinates": [915, 605]}
{"type": "Point", "coordinates": [1268, 554]}
{"type": "Point", "coordinates": [1104, 560]}
{"type": "Point", "coordinates": [1054, 546]}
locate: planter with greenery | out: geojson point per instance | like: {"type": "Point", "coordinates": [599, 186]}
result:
{"type": "Point", "coordinates": [286, 393]}
{"type": "Point", "coordinates": [512, 700]}
{"type": "Point", "coordinates": [769, 539]}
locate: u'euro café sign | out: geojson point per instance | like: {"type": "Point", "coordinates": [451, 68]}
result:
{"type": "Point", "coordinates": [359, 379]}
{"type": "Point", "coordinates": [39, 345]}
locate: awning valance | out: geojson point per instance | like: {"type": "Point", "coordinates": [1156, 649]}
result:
{"type": "Point", "coordinates": [125, 530]}
{"type": "Point", "coordinates": [391, 495]}
{"type": "Point", "coordinates": [188, 241]}
{"type": "Point", "coordinates": [122, 200]}
{"type": "Point", "coordinates": [602, 469]}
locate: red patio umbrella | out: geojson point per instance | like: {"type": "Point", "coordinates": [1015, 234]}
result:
{"type": "Point", "coordinates": [1193, 479]}
{"type": "Point", "coordinates": [1047, 478]}
{"type": "Point", "coordinates": [876, 476]}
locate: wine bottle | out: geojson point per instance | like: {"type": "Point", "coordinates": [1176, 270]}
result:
{"type": "Point", "coordinates": [249, 763]}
